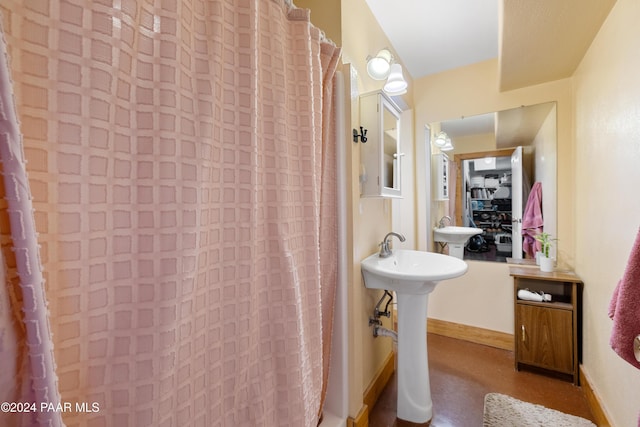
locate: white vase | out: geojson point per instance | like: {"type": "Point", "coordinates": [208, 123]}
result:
{"type": "Point", "coordinates": [546, 264]}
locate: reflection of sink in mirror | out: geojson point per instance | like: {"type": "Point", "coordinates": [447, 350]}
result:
{"type": "Point", "coordinates": [455, 237]}
{"type": "Point", "coordinates": [412, 275]}
{"type": "Point", "coordinates": [455, 234]}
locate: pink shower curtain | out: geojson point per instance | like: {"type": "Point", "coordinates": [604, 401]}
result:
{"type": "Point", "coordinates": [181, 164]}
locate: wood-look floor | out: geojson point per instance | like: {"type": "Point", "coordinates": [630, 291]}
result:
{"type": "Point", "coordinates": [462, 373]}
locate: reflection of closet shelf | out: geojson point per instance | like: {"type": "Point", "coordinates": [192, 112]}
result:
{"type": "Point", "coordinates": [481, 193]}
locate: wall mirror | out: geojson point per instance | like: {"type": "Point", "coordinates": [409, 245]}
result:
{"type": "Point", "coordinates": [391, 175]}
{"type": "Point", "coordinates": [497, 159]}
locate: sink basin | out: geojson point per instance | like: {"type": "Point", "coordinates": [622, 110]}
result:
{"type": "Point", "coordinates": [407, 271]}
{"type": "Point", "coordinates": [455, 237]}
{"type": "Point", "coordinates": [412, 275]}
{"type": "Point", "coordinates": [453, 234]}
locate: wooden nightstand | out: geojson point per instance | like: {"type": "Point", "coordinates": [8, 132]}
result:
{"type": "Point", "coordinates": [548, 334]}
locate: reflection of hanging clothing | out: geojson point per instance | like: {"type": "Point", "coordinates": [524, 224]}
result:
{"type": "Point", "coordinates": [532, 220]}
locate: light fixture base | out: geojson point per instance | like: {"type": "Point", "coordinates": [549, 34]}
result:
{"type": "Point", "coordinates": [379, 66]}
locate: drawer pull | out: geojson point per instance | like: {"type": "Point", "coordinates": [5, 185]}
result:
{"type": "Point", "coordinates": [523, 334]}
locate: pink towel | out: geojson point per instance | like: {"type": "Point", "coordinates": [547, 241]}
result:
{"type": "Point", "coordinates": [624, 308]}
{"type": "Point", "coordinates": [532, 221]}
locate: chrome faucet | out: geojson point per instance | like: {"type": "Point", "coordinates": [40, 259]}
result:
{"type": "Point", "coordinates": [384, 246]}
{"type": "Point", "coordinates": [441, 223]}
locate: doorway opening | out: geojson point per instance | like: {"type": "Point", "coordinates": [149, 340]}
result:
{"type": "Point", "coordinates": [489, 194]}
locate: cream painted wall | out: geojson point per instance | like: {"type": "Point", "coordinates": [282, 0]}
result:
{"type": "Point", "coordinates": [484, 296]}
{"type": "Point", "coordinates": [325, 14]}
{"type": "Point", "coordinates": [544, 171]}
{"type": "Point", "coordinates": [481, 298]}
{"type": "Point", "coordinates": [403, 210]}
{"type": "Point", "coordinates": [607, 134]}
{"type": "Point", "coordinates": [368, 219]}
{"type": "Point", "coordinates": [597, 158]}
{"type": "Point", "coordinates": [474, 143]}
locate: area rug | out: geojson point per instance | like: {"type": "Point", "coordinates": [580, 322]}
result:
{"type": "Point", "coordinates": [505, 411]}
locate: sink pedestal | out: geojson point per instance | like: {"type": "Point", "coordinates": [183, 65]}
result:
{"type": "Point", "coordinates": [412, 275]}
{"type": "Point", "coordinates": [414, 392]}
{"type": "Point", "coordinates": [456, 250]}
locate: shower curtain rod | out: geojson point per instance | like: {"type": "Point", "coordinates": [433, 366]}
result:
{"type": "Point", "coordinates": [323, 36]}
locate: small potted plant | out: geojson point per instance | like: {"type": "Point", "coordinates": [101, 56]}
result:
{"type": "Point", "coordinates": [546, 262]}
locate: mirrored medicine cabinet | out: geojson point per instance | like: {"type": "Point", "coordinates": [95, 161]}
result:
{"type": "Point", "coordinates": [380, 156]}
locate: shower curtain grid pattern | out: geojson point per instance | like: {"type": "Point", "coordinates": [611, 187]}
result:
{"type": "Point", "coordinates": [181, 161]}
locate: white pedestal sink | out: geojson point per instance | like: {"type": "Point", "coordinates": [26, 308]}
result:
{"type": "Point", "coordinates": [412, 275]}
{"type": "Point", "coordinates": [456, 237]}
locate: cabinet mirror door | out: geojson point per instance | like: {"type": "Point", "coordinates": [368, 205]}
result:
{"type": "Point", "coordinates": [391, 156]}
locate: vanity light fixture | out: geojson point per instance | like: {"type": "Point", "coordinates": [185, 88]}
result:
{"type": "Point", "coordinates": [382, 66]}
{"type": "Point", "coordinates": [378, 66]}
{"type": "Point", "coordinates": [396, 84]}
{"type": "Point", "coordinates": [448, 146]}
{"type": "Point", "coordinates": [443, 141]}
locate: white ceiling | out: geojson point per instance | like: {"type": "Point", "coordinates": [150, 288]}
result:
{"type": "Point", "coordinates": [473, 125]}
{"type": "Point", "coordinates": [535, 40]}
{"type": "Point", "coordinates": [513, 127]}
{"type": "Point", "coordinates": [520, 126]}
{"type": "Point", "coordinates": [431, 36]}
